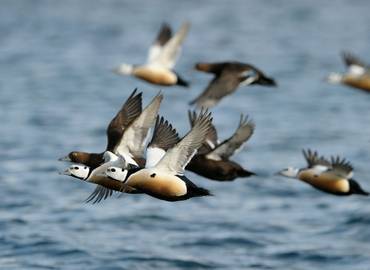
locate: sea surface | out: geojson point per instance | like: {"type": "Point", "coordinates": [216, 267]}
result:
{"type": "Point", "coordinates": [57, 94]}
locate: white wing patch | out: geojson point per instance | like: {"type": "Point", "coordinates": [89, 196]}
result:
{"type": "Point", "coordinates": [153, 156]}
{"type": "Point", "coordinates": [356, 70]}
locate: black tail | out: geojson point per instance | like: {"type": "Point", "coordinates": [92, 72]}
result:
{"type": "Point", "coordinates": [200, 192]}
{"type": "Point", "coordinates": [181, 81]}
{"type": "Point", "coordinates": [245, 173]}
{"type": "Point", "coordinates": [263, 80]}
{"type": "Point", "coordinates": [355, 188]}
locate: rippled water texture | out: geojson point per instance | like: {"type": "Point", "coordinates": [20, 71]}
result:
{"type": "Point", "coordinates": [57, 94]}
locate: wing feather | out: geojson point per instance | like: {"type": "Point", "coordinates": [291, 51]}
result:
{"type": "Point", "coordinates": [313, 159]}
{"type": "Point", "coordinates": [164, 137]}
{"type": "Point", "coordinates": [211, 140]}
{"type": "Point", "coordinates": [228, 147]}
{"type": "Point", "coordinates": [100, 193]}
{"type": "Point", "coordinates": [163, 37]}
{"type": "Point", "coordinates": [133, 140]}
{"type": "Point", "coordinates": [171, 50]}
{"type": "Point", "coordinates": [341, 167]}
{"type": "Point", "coordinates": [219, 87]}
{"type": "Point", "coordinates": [130, 110]}
{"type": "Point", "coordinates": [176, 158]}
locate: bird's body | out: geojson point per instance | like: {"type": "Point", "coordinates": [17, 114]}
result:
{"type": "Point", "coordinates": [228, 77]}
{"type": "Point", "coordinates": [213, 158]}
{"type": "Point", "coordinates": [220, 170]}
{"type": "Point", "coordinates": [357, 75]}
{"type": "Point", "coordinates": [334, 177]}
{"type": "Point", "coordinates": [162, 57]}
{"type": "Point", "coordinates": [126, 133]}
{"type": "Point", "coordinates": [164, 179]}
{"type": "Point", "coordinates": [155, 75]}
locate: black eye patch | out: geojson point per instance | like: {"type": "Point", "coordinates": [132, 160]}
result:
{"type": "Point", "coordinates": [113, 170]}
{"type": "Point", "coordinates": [76, 168]}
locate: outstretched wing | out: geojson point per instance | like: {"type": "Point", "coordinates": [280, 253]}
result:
{"type": "Point", "coordinates": [313, 159]}
{"type": "Point", "coordinates": [176, 158]}
{"type": "Point", "coordinates": [100, 193]}
{"type": "Point", "coordinates": [171, 50]}
{"type": "Point", "coordinates": [133, 140]}
{"type": "Point", "coordinates": [355, 65]}
{"type": "Point", "coordinates": [128, 113]}
{"type": "Point", "coordinates": [341, 167]}
{"type": "Point", "coordinates": [211, 140]}
{"type": "Point", "coordinates": [164, 137]}
{"type": "Point", "coordinates": [163, 37]}
{"type": "Point", "coordinates": [228, 147]}
{"type": "Point", "coordinates": [220, 86]}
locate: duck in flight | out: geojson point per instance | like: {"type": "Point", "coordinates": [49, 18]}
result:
{"type": "Point", "coordinates": [213, 158]}
{"type": "Point", "coordinates": [164, 137]}
{"type": "Point", "coordinates": [228, 76]}
{"type": "Point", "coordinates": [162, 57]}
{"type": "Point", "coordinates": [334, 176]}
{"type": "Point", "coordinates": [126, 133]}
{"type": "Point", "coordinates": [357, 75]}
{"type": "Point", "coordinates": [163, 177]}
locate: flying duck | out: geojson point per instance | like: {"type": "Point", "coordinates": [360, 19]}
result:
{"type": "Point", "coordinates": [228, 77]}
{"type": "Point", "coordinates": [161, 60]}
{"type": "Point", "coordinates": [213, 158]}
{"type": "Point", "coordinates": [166, 180]}
{"type": "Point", "coordinates": [164, 137]}
{"type": "Point", "coordinates": [334, 176]}
{"type": "Point", "coordinates": [126, 133]}
{"type": "Point", "coordinates": [357, 75]}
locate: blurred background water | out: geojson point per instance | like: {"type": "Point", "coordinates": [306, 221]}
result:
{"type": "Point", "coordinates": [57, 94]}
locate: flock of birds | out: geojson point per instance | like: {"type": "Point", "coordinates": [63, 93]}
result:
{"type": "Point", "coordinates": [131, 165]}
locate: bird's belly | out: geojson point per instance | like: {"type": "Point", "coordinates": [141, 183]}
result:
{"type": "Point", "coordinates": [362, 82]}
{"type": "Point", "coordinates": [158, 185]}
{"type": "Point", "coordinates": [326, 182]}
{"type": "Point", "coordinates": [156, 76]}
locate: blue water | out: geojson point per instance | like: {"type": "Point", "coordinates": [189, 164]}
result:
{"type": "Point", "coordinates": [57, 94]}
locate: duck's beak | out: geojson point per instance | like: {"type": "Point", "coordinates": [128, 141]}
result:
{"type": "Point", "coordinates": [66, 158]}
{"type": "Point", "coordinates": [277, 173]}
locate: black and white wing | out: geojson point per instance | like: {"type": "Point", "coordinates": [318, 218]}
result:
{"type": "Point", "coordinates": [313, 159]}
{"type": "Point", "coordinates": [354, 65]}
{"type": "Point", "coordinates": [133, 140]}
{"type": "Point", "coordinates": [169, 53]}
{"type": "Point", "coordinates": [211, 140]}
{"type": "Point", "coordinates": [130, 110]}
{"type": "Point", "coordinates": [163, 37]}
{"type": "Point", "coordinates": [341, 167]}
{"type": "Point", "coordinates": [164, 137]}
{"type": "Point", "coordinates": [228, 147]}
{"type": "Point", "coordinates": [176, 158]}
